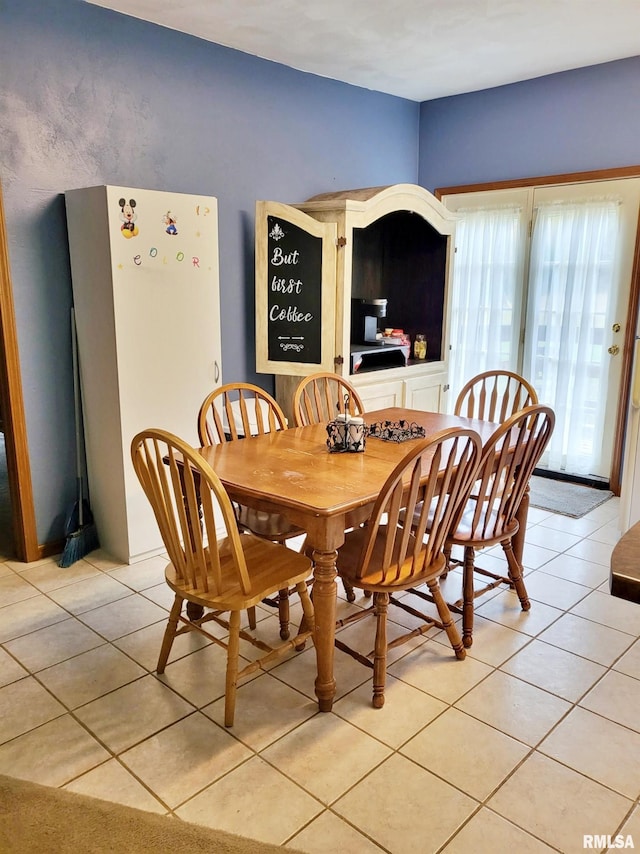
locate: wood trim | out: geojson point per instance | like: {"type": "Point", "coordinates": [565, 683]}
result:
{"type": "Point", "coordinates": [11, 401]}
{"type": "Point", "coordinates": [615, 480]}
{"type": "Point", "coordinates": [542, 181]}
{"type": "Point", "coordinates": [615, 476]}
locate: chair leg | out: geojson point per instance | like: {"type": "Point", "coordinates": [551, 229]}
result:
{"type": "Point", "coordinates": [283, 612]}
{"type": "Point", "coordinates": [447, 560]}
{"type": "Point", "coordinates": [515, 575]}
{"type": "Point", "coordinates": [446, 619]}
{"type": "Point", "coordinates": [380, 605]}
{"type": "Point", "coordinates": [251, 614]}
{"type": "Point", "coordinates": [467, 596]}
{"type": "Point", "coordinates": [307, 623]}
{"type": "Point", "coordinates": [349, 591]}
{"type": "Point", "coordinates": [169, 633]}
{"type": "Point", "coordinates": [233, 650]}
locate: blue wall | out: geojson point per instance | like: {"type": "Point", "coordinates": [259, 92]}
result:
{"type": "Point", "coordinates": [89, 96]}
{"type": "Point", "coordinates": [576, 121]}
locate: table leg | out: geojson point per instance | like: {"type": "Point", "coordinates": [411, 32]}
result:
{"type": "Point", "coordinates": [522, 514]}
{"type": "Point", "coordinates": [324, 604]}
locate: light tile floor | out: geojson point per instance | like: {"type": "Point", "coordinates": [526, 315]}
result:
{"type": "Point", "coordinates": [530, 744]}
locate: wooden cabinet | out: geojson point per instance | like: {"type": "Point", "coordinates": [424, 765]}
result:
{"type": "Point", "coordinates": [319, 262]}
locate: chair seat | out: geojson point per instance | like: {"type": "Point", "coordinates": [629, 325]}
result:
{"type": "Point", "coordinates": [272, 568]}
{"type": "Point", "coordinates": [407, 576]}
{"type": "Point", "coordinates": [468, 534]}
{"type": "Point", "coordinates": [270, 526]}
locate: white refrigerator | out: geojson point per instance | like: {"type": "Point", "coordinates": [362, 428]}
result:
{"type": "Point", "coordinates": [144, 266]}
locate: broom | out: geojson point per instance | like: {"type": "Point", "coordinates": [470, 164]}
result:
{"type": "Point", "coordinates": [80, 530]}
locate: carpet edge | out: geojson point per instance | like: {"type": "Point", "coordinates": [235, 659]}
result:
{"type": "Point", "coordinates": [35, 818]}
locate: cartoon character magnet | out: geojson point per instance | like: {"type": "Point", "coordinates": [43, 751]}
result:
{"type": "Point", "coordinates": [128, 217]}
{"type": "Point", "coordinates": [170, 220]}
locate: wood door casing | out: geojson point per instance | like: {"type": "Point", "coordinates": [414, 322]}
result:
{"type": "Point", "coordinates": [13, 417]}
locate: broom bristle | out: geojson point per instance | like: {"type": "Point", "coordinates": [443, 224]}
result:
{"type": "Point", "coordinates": [79, 543]}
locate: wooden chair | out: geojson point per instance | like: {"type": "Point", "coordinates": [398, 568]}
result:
{"type": "Point", "coordinates": [494, 396]}
{"type": "Point", "coordinates": [226, 574]}
{"type": "Point", "coordinates": [387, 554]}
{"type": "Point", "coordinates": [320, 397]}
{"type": "Point", "coordinates": [489, 518]}
{"type": "Point", "coordinates": [237, 411]}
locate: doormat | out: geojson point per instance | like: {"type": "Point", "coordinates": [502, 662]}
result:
{"type": "Point", "coordinates": [568, 499]}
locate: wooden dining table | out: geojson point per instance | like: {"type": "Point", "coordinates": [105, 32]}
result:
{"type": "Point", "coordinates": [292, 472]}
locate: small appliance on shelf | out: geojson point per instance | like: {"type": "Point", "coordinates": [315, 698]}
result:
{"type": "Point", "coordinates": [371, 350]}
{"type": "Point", "coordinates": [365, 314]}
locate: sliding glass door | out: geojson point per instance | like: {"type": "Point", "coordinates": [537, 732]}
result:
{"type": "Point", "coordinates": [541, 286]}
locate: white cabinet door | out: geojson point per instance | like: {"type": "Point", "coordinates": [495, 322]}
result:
{"type": "Point", "coordinates": [426, 392]}
{"type": "Point", "coordinates": [380, 395]}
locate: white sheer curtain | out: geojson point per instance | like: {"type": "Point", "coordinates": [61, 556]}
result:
{"type": "Point", "coordinates": [487, 287]}
{"type": "Point", "coordinates": [571, 302]}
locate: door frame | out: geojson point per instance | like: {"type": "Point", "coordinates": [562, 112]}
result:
{"type": "Point", "coordinates": [25, 536]}
{"type": "Point", "coordinates": [634, 291]}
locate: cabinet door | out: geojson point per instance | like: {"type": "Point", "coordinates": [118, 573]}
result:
{"type": "Point", "coordinates": [295, 291]}
{"type": "Point", "coordinates": [426, 392]}
{"type": "Point", "coordinates": [380, 395]}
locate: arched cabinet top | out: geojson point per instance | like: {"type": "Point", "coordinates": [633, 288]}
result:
{"type": "Point", "coordinates": [321, 262]}
{"type": "Point", "coordinates": [370, 203]}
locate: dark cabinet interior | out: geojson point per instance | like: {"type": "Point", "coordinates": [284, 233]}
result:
{"type": "Point", "coordinates": [402, 258]}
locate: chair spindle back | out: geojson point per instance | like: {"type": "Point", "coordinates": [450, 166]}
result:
{"type": "Point", "coordinates": [428, 488]}
{"type": "Point", "coordinates": [320, 397]}
{"type": "Point", "coordinates": [494, 396]}
{"type": "Point", "coordinates": [184, 493]}
{"type": "Point", "coordinates": [508, 461]}
{"type": "Point", "coordinates": [238, 410]}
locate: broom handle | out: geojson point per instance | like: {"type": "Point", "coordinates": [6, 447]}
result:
{"type": "Point", "coordinates": [76, 412]}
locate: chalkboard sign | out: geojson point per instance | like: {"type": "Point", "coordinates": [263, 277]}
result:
{"type": "Point", "coordinates": [294, 304]}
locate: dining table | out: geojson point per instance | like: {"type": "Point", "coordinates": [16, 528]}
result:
{"type": "Point", "coordinates": [293, 473]}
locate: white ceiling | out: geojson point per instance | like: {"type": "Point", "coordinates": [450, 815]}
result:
{"type": "Point", "coordinates": [417, 49]}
